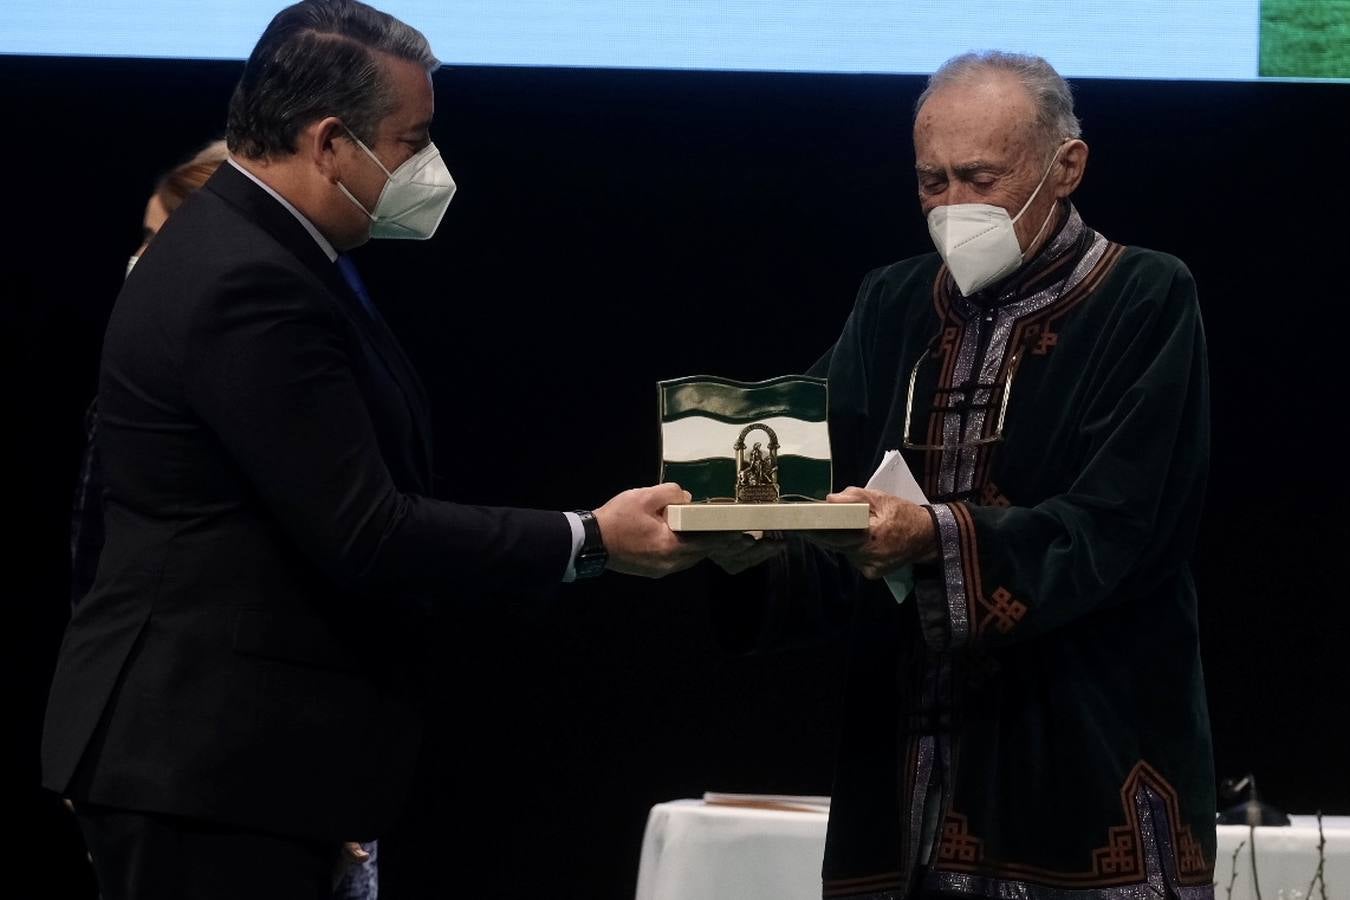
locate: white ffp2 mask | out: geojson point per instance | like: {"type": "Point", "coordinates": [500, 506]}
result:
{"type": "Point", "coordinates": [414, 198]}
{"type": "Point", "coordinates": [977, 241]}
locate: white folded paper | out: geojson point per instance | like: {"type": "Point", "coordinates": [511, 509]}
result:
{"type": "Point", "coordinates": [894, 477]}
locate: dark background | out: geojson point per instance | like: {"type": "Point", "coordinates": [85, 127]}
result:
{"type": "Point", "coordinates": [616, 227]}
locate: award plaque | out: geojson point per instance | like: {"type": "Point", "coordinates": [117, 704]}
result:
{"type": "Point", "coordinates": [755, 456]}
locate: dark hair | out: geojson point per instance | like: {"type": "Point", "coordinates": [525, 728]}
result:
{"type": "Point", "coordinates": [319, 58]}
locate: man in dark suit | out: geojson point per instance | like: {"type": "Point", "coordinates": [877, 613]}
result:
{"type": "Point", "coordinates": [231, 699]}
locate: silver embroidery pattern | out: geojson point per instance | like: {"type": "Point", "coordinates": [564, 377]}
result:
{"type": "Point", "coordinates": [965, 456]}
{"type": "Point", "coordinates": [952, 573]}
{"type": "Point", "coordinates": [956, 472]}
{"type": "Point", "coordinates": [1000, 889]}
{"type": "Point", "coordinates": [951, 422]}
{"type": "Point", "coordinates": [1004, 319]}
{"type": "Point", "coordinates": [1167, 850]}
{"type": "Point", "coordinates": [1068, 235]}
{"type": "Point", "coordinates": [1159, 878]}
{"type": "Point", "coordinates": [923, 776]}
{"type": "Point", "coordinates": [1153, 873]}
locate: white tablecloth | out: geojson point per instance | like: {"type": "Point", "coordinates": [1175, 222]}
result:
{"type": "Point", "coordinates": [693, 851]}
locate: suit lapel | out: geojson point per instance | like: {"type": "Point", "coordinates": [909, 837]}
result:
{"type": "Point", "coordinates": [258, 206]}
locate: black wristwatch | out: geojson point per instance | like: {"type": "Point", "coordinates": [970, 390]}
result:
{"type": "Point", "coordinates": [592, 557]}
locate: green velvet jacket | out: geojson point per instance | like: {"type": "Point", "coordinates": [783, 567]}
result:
{"type": "Point", "coordinates": [1031, 722]}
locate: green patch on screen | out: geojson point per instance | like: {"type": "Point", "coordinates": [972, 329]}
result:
{"type": "Point", "coordinates": [1305, 38]}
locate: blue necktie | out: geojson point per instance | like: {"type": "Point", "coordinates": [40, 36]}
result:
{"type": "Point", "coordinates": [353, 279]}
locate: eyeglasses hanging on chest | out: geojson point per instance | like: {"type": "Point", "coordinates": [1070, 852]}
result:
{"type": "Point", "coordinates": [971, 400]}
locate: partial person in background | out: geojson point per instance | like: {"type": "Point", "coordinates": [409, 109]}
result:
{"type": "Point", "coordinates": [359, 866]}
{"type": "Point", "coordinates": [174, 188]}
{"type": "Point", "coordinates": [86, 520]}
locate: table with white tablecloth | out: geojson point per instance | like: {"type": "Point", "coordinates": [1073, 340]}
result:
{"type": "Point", "coordinates": [698, 851]}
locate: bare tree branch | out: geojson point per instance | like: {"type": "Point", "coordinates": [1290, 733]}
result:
{"type": "Point", "coordinates": [1233, 878]}
{"type": "Point", "coordinates": [1256, 882]}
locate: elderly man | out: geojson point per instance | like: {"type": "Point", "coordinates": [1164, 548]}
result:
{"type": "Point", "coordinates": [1032, 721]}
{"type": "Point", "coordinates": [234, 697]}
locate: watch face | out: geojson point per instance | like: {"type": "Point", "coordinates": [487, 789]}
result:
{"type": "Point", "coordinates": [591, 565]}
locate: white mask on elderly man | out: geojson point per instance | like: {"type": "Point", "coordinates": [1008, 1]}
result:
{"type": "Point", "coordinates": [414, 198]}
{"type": "Point", "coordinates": [977, 240]}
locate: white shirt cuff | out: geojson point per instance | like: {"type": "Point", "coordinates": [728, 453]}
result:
{"type": "Point", "coordinates": [578, 536]}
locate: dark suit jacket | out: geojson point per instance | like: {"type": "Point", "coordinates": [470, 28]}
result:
{"type": "Point", "coordinates": [264, 443]}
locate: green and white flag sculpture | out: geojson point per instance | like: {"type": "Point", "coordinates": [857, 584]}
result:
{"type": "Point", "coordinates": [703, 417]}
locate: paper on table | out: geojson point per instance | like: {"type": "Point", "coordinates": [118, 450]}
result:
{"type": "Point", "coordinates": [769, 801]}
{"type": "Point", "coordinates": [894, 477]}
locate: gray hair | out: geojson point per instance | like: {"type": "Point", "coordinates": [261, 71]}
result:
{"type": "Point", "coordinates": [1049, 92]}
{"type": "Point", "coordinates": [319, 58]}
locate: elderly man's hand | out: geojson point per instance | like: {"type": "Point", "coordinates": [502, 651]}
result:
{"type": "Point", "coordinates": [898, 533]}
